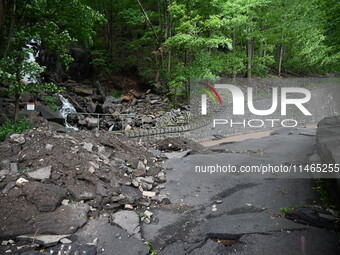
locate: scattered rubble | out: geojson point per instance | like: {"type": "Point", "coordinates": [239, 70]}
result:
{"type": "Point", "coordinates": [66, 181]}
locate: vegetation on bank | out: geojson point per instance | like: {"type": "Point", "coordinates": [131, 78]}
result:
{"type": "Point", "coordinates": [165, 42]}
{"type": "Point", "coordinates": [14, 128]}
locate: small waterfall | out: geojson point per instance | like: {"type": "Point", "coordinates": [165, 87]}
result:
{"type": "Point", "coordinates": [29, 78]}
{"type": "Point", "coordinates": [67, 108]}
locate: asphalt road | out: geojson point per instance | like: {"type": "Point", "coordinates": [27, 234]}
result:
{"type": "Point", "coordinates": [238, 213]}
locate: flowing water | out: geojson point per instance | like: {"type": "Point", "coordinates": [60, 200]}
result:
{"type": "Point", "coordinates": [67, 108]}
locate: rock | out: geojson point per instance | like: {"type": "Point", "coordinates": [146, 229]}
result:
{"type": "Point", "coordinates": [110, 239]}
{"type": "Point", "coordinates": [112, 100]}
{"type": "Point", "coordinates": [147, 179]}
{"type": "Point", "coordinates": [128, 207]}
{"type": "Point", "coordinates": [103, 153]}
{"type": "Point", "coordinates": [214, 208]}
{"type": "Point", "coordinates": [47, 197]}
{"type": "Point", "coordinates": [91, 107]}
{"type": "Point", "coordinates": [314, 217]}
{"type": "Point", "coordinates": [45, 240]}
{"type": "Point", "coordinates": [91, 122]}
{"type": "Point", "coordinates": [21, 182]}
{"type": "Point", "coordinates": [48, 147]}
{"type": "Point", "coordinates": [155, 151]}
{"type": "Point", "coordinates": [146, 119]}
{"type": "Point", "coordinates": [56, 127]}
{"type": "Point", "coordinates": [72, 248]}
{"type": "Point", "coordinates": [47, 113]}
{"type": "Point", "coordinates": [131, 194]}
{"type": "Point", "coordinates": [82, 192]}
{"type": "Point", "coordinates": [178, 155]}
{"type": "Point", "coordinates": [141, 166]}
{"type": "Point", "coordinates": [64, 220]}
{"type": "Point", "coordinates": [4, 172]}
{"type": "Point", "coordinates": [100, 190]}
{"type": "Point", "coordinates": [41, 173]}
{"type": "Point", "coordinates": [65, 241]}
{"type": "Point", "coordinates": [5, 164]}
{"type": "Point", "coordinates": [127, 128]}
{"type": "Point", "coordinates": [129, 221]}
{"type": "Point", "coordinates": [148, 214]}
{"type": "Point", "coordinates": [149, 193]}
{"type": "Point", "coordinates": [114, 182]}
{"type": "Point", "coordinates": [88, 146]}
{"type": "Point", "coordinates": [91, 169]}
{"type": "Point", "coordinates": [83, 91]}
{"type": "Point", "coordinates": [65, 202]}
{"type": "Point", "coordinates": [155, 101]}
{"type": "Point", "coordinates": [18, 138]}
{"type": "Point", "coordinates": [4, 243]}
{"type": "Point", "coordinates": [8, 187]}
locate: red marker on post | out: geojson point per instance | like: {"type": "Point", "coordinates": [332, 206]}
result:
{"type": "Point", "coordinates": [30, 107]}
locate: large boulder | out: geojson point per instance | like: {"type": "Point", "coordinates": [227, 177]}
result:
{"type": "Point", "coordinates": [47, 113]}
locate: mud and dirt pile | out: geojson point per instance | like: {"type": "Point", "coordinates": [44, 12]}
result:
{"type": "Point", "coordinates": [53, 183]}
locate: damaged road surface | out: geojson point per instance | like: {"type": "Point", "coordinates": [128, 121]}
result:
{"type": "Point", "coordinates": [99, 193]}
{"type": "Point", "coordinates": [222, 213]}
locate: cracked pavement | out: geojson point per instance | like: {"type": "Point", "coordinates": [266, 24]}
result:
{"type": "Point", "coordinates": [244, 220]}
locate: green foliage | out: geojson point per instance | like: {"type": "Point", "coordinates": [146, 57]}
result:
{"type": "Point", "coordinates": [320, 187]}
{"type": "Point", "coordinates": [116, 94]}
{"type": "Point", "coordinates": [51, 102]}
{"type": "Point", "coordinates": [15, 67]}
{"type": "Point", "coordinates": [16, 128]}
{"type": "Point", "coordinates": [152, 249]}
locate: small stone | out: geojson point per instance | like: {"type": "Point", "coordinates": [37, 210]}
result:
{"type": "Point", "coordinates": [147, 221]}
{"type": "Point", "coordinates": [161, 186]}
{"type": "Point", "coordinates": [148, 214]}
{"type": "Point", "coordinates": [147, 179]}
{"type": "Point", "coordinates": [18, 138]}
{"type": "Point", "coordinates": [88, 146]}
{"type": "Point", "coordinates": [128, 207]}
{"type": "Point", "coordinates": [101, 190]}
{"type": "Point", "coordinates": [48, 147]}
{"type": "Point", "coordinates": [21, 182]}
{"type": "Point", "coordinates": [94, 165]}
{"type": "Point", "coordinates": [8, 187]}
{"type": "Point", "coordinates": [91, 170]}
{"type": "Point", "coordinates": [214, 209]}
{"type": "Point", "coordinates": [135, 183]}
{"type": "Point", "coordinates": [4, 172]}
{"type": "Point", "coordinates": [65, 240]}
{"type": "Point", "coordinates": [46, 240]}
{"type": "Point", "coordinates": [65, 202]}
{"type": "Point", "coordinates": [218, 201]}
{"type": "Point", "coordinates": [13, 169]}
{"type": "Point", "coordinates": [149, 193]}
{"type": "Point", "coordinates": [4, 243]}
{"type": "Point", "coordinates": [10, 241]}
{"type": "Point", "coordinates": [128, 127]}
{"type": "Point", "coordinates": [41, 173]}
{"type": "Point", "coordinates": [141, 166]}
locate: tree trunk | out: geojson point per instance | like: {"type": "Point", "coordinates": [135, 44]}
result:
{"type": "Point", "coordinates": [250, 54]}
{"type": "Point", "coordinates": [16, 109]}
{"type": "Point", "coordinates": [234, 52]}
{"type": "Point", "coordinates": [280, 59]}
{"type": "Point", "coordinates": [149, 22]}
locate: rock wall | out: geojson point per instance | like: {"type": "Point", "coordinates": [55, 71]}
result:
{"type": "Point", "coordinates": [328, 147]}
